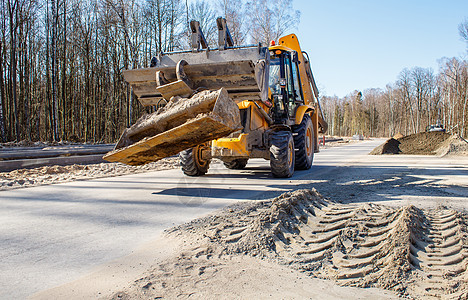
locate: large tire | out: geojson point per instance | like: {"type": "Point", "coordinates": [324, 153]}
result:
{"type": "Point", "coordinates": [191, 162]}
{"type": "Point", "coordinates": [304, 142]}
{"type": "Point", "coordinates": [236, 164]}
{"type": "Point", "coordinates": [282, 154]}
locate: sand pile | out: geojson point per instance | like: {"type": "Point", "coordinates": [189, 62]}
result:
{"type": "Point", "coordinates": [424, 143]}
{"type": "Point", "coordinates": [454, 146]}
{"type": "Point", "coordinates": [56, 174]}
{"type": "Point", "coordinates": [26, 143]}
{"type": "Point", "coordinates": [391, 146]}
{"type": "Point", "coordinates": [413, 252]}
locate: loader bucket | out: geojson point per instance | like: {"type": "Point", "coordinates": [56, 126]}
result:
{"type": "Point", "coordinates": [183, 123]}
{"type": "Point", "coordinates": [242, 72]}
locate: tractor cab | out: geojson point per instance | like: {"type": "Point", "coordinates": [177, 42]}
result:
{"type": "Point", "coordinates": [285, 90]}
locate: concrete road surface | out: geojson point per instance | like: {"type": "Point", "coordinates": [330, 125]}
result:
{"type": "Point", "coordinates": [53, 234]}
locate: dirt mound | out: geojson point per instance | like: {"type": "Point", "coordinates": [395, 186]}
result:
{"type": "Point", "coordinates": [391, 146]}
{"type": "Point", "coordinates": [398, 136]}
{"type": "Point", "coordinates": [264, 223]}
{"type": "Point", "coordinates": [454, 146]}
{"type": "Point", "coordinates": [413, 252]}
{"type": "Point", "coordinates": [424, 143]}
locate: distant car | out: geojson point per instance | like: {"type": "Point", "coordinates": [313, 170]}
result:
{"type": "Point", "coordinates": [432, 128]}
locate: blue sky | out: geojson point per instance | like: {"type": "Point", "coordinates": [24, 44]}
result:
{"type": "Point", "coordinates": [365, 44]}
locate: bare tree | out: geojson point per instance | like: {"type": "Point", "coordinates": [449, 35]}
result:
{"type": "Point", "coordinates": [13, 20]}
{"type": "Point", "coordinates": [2, 86]}
{"type": "Point", "coordinates": [463, 31]}
{"type": "Point", "coordinates": [270, 19]}
{"type": "Point", "coordinates": [453, 81]}
{"type": "Point", "coordinates": [54, 17]}
{"type": "Point", "coordinates": [234, 12]}
{"type": "Point", "coordinates": [201, 11]}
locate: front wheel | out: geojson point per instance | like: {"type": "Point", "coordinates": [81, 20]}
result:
{"type": "Point", "coordinates": [282, 154]}
{"type": "Point", "coordinates": [304, 141]}
{"type": "Point", "coordinates": [192, 162]}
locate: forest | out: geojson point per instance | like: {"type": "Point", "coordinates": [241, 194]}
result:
{"type": "Point", "coordinates": [61, 61]}
{"type": "Point", "coordinates": [418, 98]}
{"type": "Point", "coordinates": [61, 64]}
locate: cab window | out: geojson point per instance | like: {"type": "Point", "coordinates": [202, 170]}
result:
{"type": "Point", "coordinates": [297, 86]}
{"type": "Point", "coordinates": [274, 75]}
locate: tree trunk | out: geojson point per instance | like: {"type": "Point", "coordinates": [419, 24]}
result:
{"type": "Point", "coordinates": [65, 128]}
{"type": "Point", "coordinates": [54, 70]}
{"type": "Point", "coordinates": [13, 26]}
{"type": "Point", "coordinates": [2, 97]}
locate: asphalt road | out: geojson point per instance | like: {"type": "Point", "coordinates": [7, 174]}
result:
{"type": "Point", "coordinates": [50, 235]}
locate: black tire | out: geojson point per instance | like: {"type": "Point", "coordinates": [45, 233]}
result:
{"type": "Point", "coordinates": [304, 143]}
{"type": "Point", "coordinates": [282, 154]}
{"type": "Point", "coordinates": [236, 164]}
{"type": "Point", "coordinates": [191, 162]}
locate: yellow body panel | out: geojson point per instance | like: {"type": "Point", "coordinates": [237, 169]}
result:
{"type": "Point", "coordinates": [291, 42]}
{"type": "Point", "coordinates": [301, 111]}
{"type": "Point", "coordinates": [256, 119]}
{"type": "Point", "coordinates": [244, 104]}
{"type": "Point", "coordinates": [238, 147]}
{"type": "Point", "coordinates": [287, 43]}
{"type": "Point", "coordinates": [234, 147]}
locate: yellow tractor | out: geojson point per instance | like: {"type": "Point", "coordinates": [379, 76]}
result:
{"type": "Point", "coordinates": [231, 103]}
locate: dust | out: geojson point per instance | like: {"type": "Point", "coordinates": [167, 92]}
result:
{"type": "Point", "coordinates": [56, 174]}
{"type": "Point", "coordinates": [413, 252]}
{"type": "Point", "coordinates": [424, 143]}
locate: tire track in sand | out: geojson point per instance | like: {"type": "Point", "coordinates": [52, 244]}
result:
{"type": "Point", "coordinates": [443, 255]}
{"type": "Point", "coordinates": [417, 253]}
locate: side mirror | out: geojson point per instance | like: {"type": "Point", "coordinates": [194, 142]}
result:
{"type": "Point", "coordinates": [295, 56]}
{"type": "Point", "coordinates": [282, 82]}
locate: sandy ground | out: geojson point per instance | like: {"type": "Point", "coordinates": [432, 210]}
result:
{"type": "Point", "coordinates": [56, 174]}
{"type": "Point", "coordinates": [389, 227]}
{"type": "Point", "coordinates": [204, 277]}
{"type": "Point", "coordinates": [413, 252]}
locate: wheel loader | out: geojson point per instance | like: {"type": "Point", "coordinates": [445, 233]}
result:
{"type": "Point", "coordinates": [232, 103]}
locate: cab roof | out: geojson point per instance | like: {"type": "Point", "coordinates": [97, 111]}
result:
{"type": "Point", "coordinates": [280, 47]}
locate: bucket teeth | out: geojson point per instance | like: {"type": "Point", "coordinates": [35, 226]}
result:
{"type": "Point", "coordinates": [181, 74]}
{"type": "Point", "coordinates": [161, 79]}
{"type": "Point", "coordinates": [176, 88]}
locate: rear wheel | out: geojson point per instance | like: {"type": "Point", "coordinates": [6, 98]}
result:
{"type": "Point", "coordinates": [192, 162]}
{"type": "Point", "coordinates": [282, 154]}
{"type": "Point", "coordinates": [236, 164]}
{"type": "Point", "coordinates": [304, 142]}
